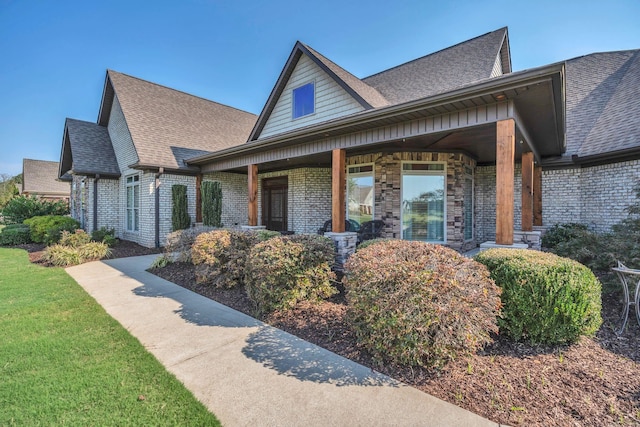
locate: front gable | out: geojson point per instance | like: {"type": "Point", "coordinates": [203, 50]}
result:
{"type": "Point", "coordinates": [336, 93]}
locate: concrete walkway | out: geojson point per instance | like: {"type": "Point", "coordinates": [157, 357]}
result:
{"type": "Point", "coordinates": [248, 373]}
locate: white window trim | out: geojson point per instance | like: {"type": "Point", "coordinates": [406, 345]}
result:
{"type": "Point", "coordinates": [362, 174]}
{"type": "Point", "coordinates": [473, 205]}
{"type": "Point", "coordinates": [126, 208]}
{"type": "Point", "coordinates": [423, 173]}
{"type": "Point", "coordinates": [293, 100]}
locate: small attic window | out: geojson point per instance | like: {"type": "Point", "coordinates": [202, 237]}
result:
{"type": "Point", "coordinates": [304, 100]}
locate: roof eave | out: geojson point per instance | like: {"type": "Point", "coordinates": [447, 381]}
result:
{"type": "Point", "coordinates": [500, 83]}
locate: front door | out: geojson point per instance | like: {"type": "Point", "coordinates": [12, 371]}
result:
{"type": "Point", "coordinates": [274, 203]}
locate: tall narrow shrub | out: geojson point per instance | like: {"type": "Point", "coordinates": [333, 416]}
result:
{"type": "Point", "coordinates": [179, 215]}
{"type": "Point", "coordinates": [211, 192]}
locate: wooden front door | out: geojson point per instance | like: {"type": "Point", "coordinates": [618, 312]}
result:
{"type": "Point", "coordinates": [275, 203]}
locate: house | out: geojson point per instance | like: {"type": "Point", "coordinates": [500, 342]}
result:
{"type": "Point", "coordinates": [40, 179]}
{"type": "Point", "coordinates": [124, 165]}
{"type": "Point", "coordinates": [454, 147]}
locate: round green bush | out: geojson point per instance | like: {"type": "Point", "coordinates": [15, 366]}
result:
{"type": "Point", "coordinates": [546, 299]}
{"type": "Point", "coordinates": [418, 304]}
{"type": "Point", "coordinates": [284, 270]}
{"type": "Point", "coordinates": [48, 229]}
{"type": "Point", "coordinates": [15, 234]}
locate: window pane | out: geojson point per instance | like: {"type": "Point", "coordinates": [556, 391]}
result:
{"type": "Point", "coordinates": [129, 197]}
{"type": "Point", "coordinates": [129, 219]}
{"type": "Point", "coordinates": [136, 196]}
{"type": "Point", "coordinates": [303, 100]}
{"type": "Point", "coordinates": [423, 207]}
{"type": "Point", "coordinates": [468, 208]}
{"type": "Point", "coordinates": [360, 195]}
{"type": "Point", "coordinates": [136, 219]}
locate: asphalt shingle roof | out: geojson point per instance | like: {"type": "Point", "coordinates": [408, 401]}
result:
{"type": "Point", "coordinates": [40, 177]}
{"type": "Point", "coordinates": [168, 126]}
{"type": "Point", "coordinates": [91, 149]}
{"type": "Point", "coordinates": [442, 71]}
{"type": "Point", "coordinates": [603, 110]}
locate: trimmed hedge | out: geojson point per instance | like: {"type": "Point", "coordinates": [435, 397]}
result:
{"type": "Point", "coordinates": [547, 299]}
{"type": "Point", "coordinates": [220, 255]}
{"type": "Point", "coordinates": [15, 234]}
{"type": "Point", "coordinates": [47, 229]}
{"type": "Point", "coordinates": [418, 304]}
{"type": "Point", "coordinates": [179, 213]}
{"type": "Point", "coordinates": [211, 194]}
{"type": "Point", "coordinates": [284, 270]}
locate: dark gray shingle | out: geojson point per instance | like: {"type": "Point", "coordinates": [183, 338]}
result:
{"type": "Point", "coordinates": [91, 149]}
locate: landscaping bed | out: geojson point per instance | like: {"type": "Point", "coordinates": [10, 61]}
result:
{"type": "Point", "coordinates": [595, 382]}
{"type": "Point", "coordinates": [122, 249]}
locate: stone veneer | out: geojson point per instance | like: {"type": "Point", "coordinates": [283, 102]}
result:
{"type": "Point", "coordinates": [387, 180]}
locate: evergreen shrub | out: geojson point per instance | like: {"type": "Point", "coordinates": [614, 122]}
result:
{"type": "Point", "coordinates": [546, 299]}
{"type": "Point", "coordinates": [180, 218]}
{"type": "Point", "coordinates": [417, 304]}
{"type": "Point", "coordinates": [211, 195]}
{"type": "Point", "coordinates": [284, 270]}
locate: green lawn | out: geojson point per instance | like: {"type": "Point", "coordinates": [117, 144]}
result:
{"type": "Point", "coordinates": [64, 361]}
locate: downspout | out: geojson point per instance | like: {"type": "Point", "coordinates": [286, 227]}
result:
{"type": "Point", "coordinates": [157, 216]}
{"type": "Point", "coordinates": [95, 201]}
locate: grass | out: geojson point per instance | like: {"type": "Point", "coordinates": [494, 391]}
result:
{"type": "Point", "coordinates": [64, 361]}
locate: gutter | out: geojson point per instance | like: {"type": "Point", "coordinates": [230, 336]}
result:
{"type": "Point", "coordinates": [95, 201]}
{"type": "Point", "coordinates": [157, 213]}
{"type": "Point", "coordinates": [510, 81]}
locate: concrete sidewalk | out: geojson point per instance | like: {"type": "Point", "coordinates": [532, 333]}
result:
{"type": "Point", "coordinates": [248, 373]}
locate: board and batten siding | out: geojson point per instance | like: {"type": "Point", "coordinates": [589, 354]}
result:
{"type": "Point", "coordinates": [331, 101]}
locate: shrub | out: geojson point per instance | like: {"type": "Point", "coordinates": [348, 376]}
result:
{"type": "Point", "coordinates": [370, 242]}
{"type": "Point", "coordinates": [547, 299]}
{"type": "Point", "coordinates": [263, 235]}
{"type": "Point", "coordinates": [74, 240]}
{"type": "Point", "coordinates": [104, 235]}
{"type": "Point", "coordinates": [220, 256]}
{"type": "Point", "coordinates": [211, 193]}
{"type": "Point", "coordinates": [15, 234]}
{"type": "Point", "coordinates": [178, 244]}
{"type": "Point", "coordinates": [65, 256]}
{"type": "Point", "coordinates": [179, 214]}
{"type": "Point", "coordinates": [418, 304]}
{"type": "Point", "coordinates": [284, 270]}
{"type": "Point", "coordinates": [21, 208]}
{"type": "Point", "coordinates": [47, 229]}
{"type": "Point", "coordinates": [559, 233]}
{"type": "Point", "coordinates": [161, 261]}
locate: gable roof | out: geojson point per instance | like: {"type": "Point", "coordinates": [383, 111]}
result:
{"type": "Point", "coordinates": [40, 177]}
{"type": "Point", "coordinates": [168, 126]}
{"type": "Point", "coordinates": [451, 68]}
{"type": "Point", "coordinates": [602, 103]}
{"type": "Point", "coordinates": [364, 94]}
{"type": "Point", "coordinates": [442, 71]}
{"type": "Point", "coordinates": [87, 150]}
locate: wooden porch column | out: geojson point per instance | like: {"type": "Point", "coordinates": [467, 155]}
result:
{"type": "Point", "coordinates": [527, 191]}
{"type": "Point", "coordinates": [252, 180]}
{"type": "Point", "coordinates": [537, 195]}
{"type": "Point", "coordinates": [338, 184]}
{"type": "Point", "coordinates": [505, 155]}
{"type": "Point", "coordinates": [198, 198]}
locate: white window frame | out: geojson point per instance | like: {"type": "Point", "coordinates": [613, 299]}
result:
{"type": "Point", "coordinates": [442, 173]}
{"type": "Point", "coordinates": [136, 209]}
{"type": "Point", "coordinates": [293, 100]}
{"type": "Point", "coordinates": [372, 174]}
{"type": "Point", "coordinates": [472, 177]}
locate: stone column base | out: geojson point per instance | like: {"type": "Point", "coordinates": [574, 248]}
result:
{"type": "Point", "coordinates": [345, 246]}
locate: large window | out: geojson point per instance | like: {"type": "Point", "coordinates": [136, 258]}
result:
{"type": "Point", "coordinates": [133, 203]}
{"type": "Point", "coordinates": [304, 100]}
{"type": "Point", "coordinates": [468, 203]}
{"type": "Point", "coordinates": [423, 201]}
{"type": "Point", "coordinates": [360, 193]}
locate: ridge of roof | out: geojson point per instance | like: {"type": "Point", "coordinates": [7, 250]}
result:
{"type": "Point", "coordinates": [367, 92]}
{"type": "Point", "coordinates": [109, 70]}
{"type": "Point", "coordinates": [503, 29]}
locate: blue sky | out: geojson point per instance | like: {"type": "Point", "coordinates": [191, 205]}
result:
{"type": "Point", "coordinates": [54, 54]}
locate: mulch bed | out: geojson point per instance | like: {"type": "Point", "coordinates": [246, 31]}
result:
{"type": "Point", "coordinates": [595, 382]}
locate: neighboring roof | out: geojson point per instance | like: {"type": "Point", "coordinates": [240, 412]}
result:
{"type": "Point", "coordinates": [87, 150]}
{"type": "Point", "coordinates": [603, 112]}
{"type": "Point", "coordinates": [40, 177]}
{"type": "Point", "coordinates": [448, 69]}
{"type": "Point", "coordinates": [442, 71]}
{"type": "Point", "coordinates": [168, 126]}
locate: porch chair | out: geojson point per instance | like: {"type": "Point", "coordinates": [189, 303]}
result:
{"type": "Point", "coordinates": [349, 225]}
{"type": "Point", "coordinates": [370, 230]}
